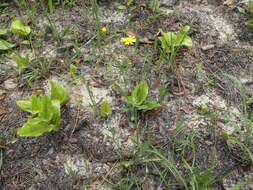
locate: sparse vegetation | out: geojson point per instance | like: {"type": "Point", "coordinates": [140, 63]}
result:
{"type": "Point", "coordinates": [157, 95]}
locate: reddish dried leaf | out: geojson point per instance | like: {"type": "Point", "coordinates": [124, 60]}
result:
{"type": "Point", "coordinates": [187, 109]}
{"type": "Point", "coordinates": [145, 40]}
{"type": "Point", "coordinates": [2, 96]}
{"type": "Point", "coordinates": [77, 61]}
{"type": "Point", "coordinates": [2, 143]}
{"type": "Point", "coordinates": [228, 2]}
{"type": "Point", "coordinates": [156, 84]}
{"type": "Point", "coordinates": [130, 33]}
{"type": "Point", "coordinates": [3, 111]}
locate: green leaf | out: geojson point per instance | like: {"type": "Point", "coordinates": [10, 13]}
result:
{"type": "Point", "coordinates": [34, 127]}
{"type": "Point", "coordinates": [59, 93]}
{"type": "Point", "coordinates": [185, 30]}
{"type": "Point", "coordinates": [251, 6]}
{"type": "Point", "coordinates": [22, 62]}
{"type": "Point", "coordinates": [4, 45]}
{"type": "Point", "coordinates": [25, 105]}
{"type": "Point", "coordinates": [168, 40]}
{"type": "Point", "coordinates": [36, 103]}
{"type": "Point", "coordinates": [140, 93]}
{"type": "Point", "coordinates": [18, 27]}
{"type": "Point", "coordinates": [105, 108]}
{"type": "Point", "coordinates": [46, 109]}
{"type": "Point", "coordinates": [162, 93]}
{"type": "Point", "coordinates": [250, 22]}
{"type": "Point", "coordinates": [120, 6]}
{"type": "Point", "coordinates": [149, 106]}
{"type": "Point", "coordinates": [184, 41]}
{"type": "Point", "coordinates": [182, 38]}
{"type": "Point", "coordinates": [241, 10]}
{"type": "Point", "coordinates": [249, 100]}
{"type": "Point", "coordinates": [3, 31]}
{"type": "Point", "coordinates": [73, 69]}
{"type": "Point", "coordinates": [56, 109]}
{"type": "Point", "coordinates": [126, 164]}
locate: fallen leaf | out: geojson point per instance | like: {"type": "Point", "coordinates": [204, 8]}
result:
{"type": "Point", "coordinates": [130, 33]}
{"type": "Point", "coordinates": [3, 111]}
{"type": "Point", "coordinates": [145, 40]}
{"type": "Point", "coordinates": [2, 143]}
{"type": "Point", "coordinates": [156, 84]}
{"type": "Point", "coordinates": [77, 61]}
{"type": "Point", "coordinates": [2, 96]}
{"type": "Point", "coordinates": [187, 109]}
{"type": "Point", "coordinates": [228, 2]}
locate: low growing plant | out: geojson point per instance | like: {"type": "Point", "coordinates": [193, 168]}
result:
{"type": "Point", "coordinates": [18, 27]}
{"type": "Point", "coordinates": [45, 111]}
{"type": "Point", "coordinates": [138, 100]}
{"type": "Point", "coordinates": [172, 42]}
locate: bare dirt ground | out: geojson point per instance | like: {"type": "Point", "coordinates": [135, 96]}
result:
{"type": "Point", "coordinates": [85, 153]}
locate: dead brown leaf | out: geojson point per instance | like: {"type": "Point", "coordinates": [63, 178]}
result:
{"type": "Point", "coordinates": [3, 111]}
{"type": "Point", "coordinates": [2, 96]}
{"type": "Point", "coordinates": [228, 3]}
{"type": "Point", "coordinates": [145, 40]}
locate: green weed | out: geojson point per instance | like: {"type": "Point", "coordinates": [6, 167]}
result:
{"type": "Point", "coordinates": [45, 110]}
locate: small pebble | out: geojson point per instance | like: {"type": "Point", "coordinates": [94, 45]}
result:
{"type": "Point", "coordinates": [207, 47]}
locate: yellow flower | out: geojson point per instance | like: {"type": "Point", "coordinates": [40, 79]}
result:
{"type": "Point", "coordinates": [130, 40]}
{"type": "Point", "coordinates": [104, 29]}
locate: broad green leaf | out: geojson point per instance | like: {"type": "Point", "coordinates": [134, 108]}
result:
{"type": "Point", "coordinates": [22, 62]}
{"type": "Point", "coordinates": [3, 31]}
{"type": "Point", "coordinates": [241, 10]}
{"type": "Point", "coordinates": [167, 40]}
{"type": "Point", "coordinates": [129, 100]}
{"type": "Point", "coordinates": [18, 27]}
{"type": "Point", "coordinates": [105, 108]}
{"type": "Point", "coordinates": [25, 105]}
{"type": "Point", "coordinates": [185, 30]}
{"type": "Point", "coordinates": [139, 94]}
{"type": "Point", "coordinates": [34, 127]}
{"type": "Point", "coordinates": [59, 93]}
{"type": "Point", "coordinates": [36, 103]}
{"type": "Point", "coordinates": [46, 109]}
{"type": "Point", "coordinates": [56, 119]}
{"type": "Point", "coordinates": [182, 38]}
{"type": "Point", "coordinates": [149, 106]}
{"type": "Point", "coordinates": [183, 41]}
{"type": "Point", "coordinates": [4, 45]}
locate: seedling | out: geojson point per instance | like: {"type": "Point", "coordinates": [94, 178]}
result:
{"type": "Point", "coordinates": [105, 109]}
{"type": "Point", "coordinates": [138, 100]}
{"type": "Point", "coordinates": [17, 27]}
{"type": "Point", "coordinates": [22, 62]}
{"type": "Point", "coordinates": [45, 111]}
{"type": "Point", "coordinates": [172, 42]}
